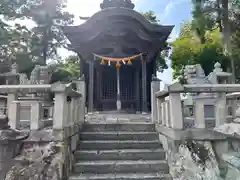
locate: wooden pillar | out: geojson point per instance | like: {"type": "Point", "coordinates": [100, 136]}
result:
{"type": "Point", "coordinates": [144, 84]}
{"type": "Point", "coordinates": [98, 88]}
{"type": "Point", "coordinates": [91, 86]}
{"type": "Point", "coordinates": [137, 90]}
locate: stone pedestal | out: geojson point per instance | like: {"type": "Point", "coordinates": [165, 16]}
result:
{"type": "Point", "coordinates": [10, 141]}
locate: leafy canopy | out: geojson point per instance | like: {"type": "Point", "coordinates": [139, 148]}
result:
{"type": "Point", "coordinates": [188, 49]}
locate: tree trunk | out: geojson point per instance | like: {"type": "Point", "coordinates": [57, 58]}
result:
{"type": "Point", "coordinates": [226, 36]}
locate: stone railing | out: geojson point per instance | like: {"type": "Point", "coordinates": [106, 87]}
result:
{"type": "Point", "coordinates": [168, 108]}
{"type": "Point", "coordinates": [68, 106]}
{"type": "Point", "coordinates": [39, 145]}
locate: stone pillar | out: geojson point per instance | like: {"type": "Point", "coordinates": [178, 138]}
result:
{"type": "Point", "coordinates": [199, 114]}
{"type": "Point", "coordinates": [14, 115]}
{"type": "Point", "coordinates": [159, 111]}
{"type": "Point", "coordinates": [144, 84]}
{"type": "Point", "coordinates": [60, 111]}
{"type": "Point", "coordinates": [167, 117]}
{"type": "Point", "coordinates": [10, 98]}
{"type": "Point", "coordinates": [81, 87]}
{"type": "Point", "coordinates": [155, 87]}
{"type": "Point", "coordinates": [36, 115]}
{"type": "Point", "coordinates": [91, 86]}
{"type": "Point", "coordinates": [162, 113]}
{"type": "Point", "coordinates": [175, 107]}
{"type": "Point", "coordinates": [220, 109]}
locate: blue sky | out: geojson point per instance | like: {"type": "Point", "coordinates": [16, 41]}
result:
{"type": "Point", "coordinates": [170, 12]}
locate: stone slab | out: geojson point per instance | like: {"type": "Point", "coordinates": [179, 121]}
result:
{"type": "Point", "coordinates": [102, 167]}
{"type": "Point", "coordinates": [130, 176]}
{"type": "Point", "coordinates": [125, 154]}
{"type": "Point", "coordinates": [119, 136]}
{"type": "Point", "coordinates": [196, 134]}
{"type": "Point", "coordinates": [107, 145]}
{"type": "Point", "coordinates": [131, 127]}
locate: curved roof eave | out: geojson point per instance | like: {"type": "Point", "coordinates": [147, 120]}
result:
{"type": "Point", "coordinates": [103, 14]}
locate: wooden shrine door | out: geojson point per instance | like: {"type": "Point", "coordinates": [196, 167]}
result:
{"type": "Point", "coordinates": [108, 88]}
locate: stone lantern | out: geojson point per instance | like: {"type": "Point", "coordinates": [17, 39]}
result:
{"type": "Point", "coordinates": [10, 141]}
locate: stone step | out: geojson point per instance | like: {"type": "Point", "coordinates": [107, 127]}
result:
{"type": "Point", "coordinates": [103, 167]}
{"type": "Point", "coordinates": [138, 176]}
{"type": "Point", "coordinates": [125, 154]}
{"type": "Point", "coordinates": [109, 145]}
{"type": "Point", "coordinates": [132, 127]}
{"type": "Point", "coordinates": [119, 136]}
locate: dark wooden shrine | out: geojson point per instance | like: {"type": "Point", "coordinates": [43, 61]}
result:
{"type": "Point", "coordinates": [118, 31]}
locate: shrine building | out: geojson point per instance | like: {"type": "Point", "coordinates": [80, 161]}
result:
{"type": "Point", "coordinates": [118, 48]}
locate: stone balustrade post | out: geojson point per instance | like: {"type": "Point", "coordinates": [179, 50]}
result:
{"type": "Point", "coordinates": [69, 113]}
{"type": "Point", "coordinates": [199, 114]}
{"type": "Point", "coordinates": [10, 98]}
{"type": "Point", "coordinates": [13, 110]}
{"type": "Point", "coordinates": [220, 109]}
{"type": "Point", "coordinates": [234, 108]}
{"type": "Point", "coordinates": [82, 110]}
{"type": "Point", "coordinates": [176, 114]}
{"type": "Point", "coordinates": [159, 111]}
{"type": "Point", "coordinates": [81, 87]}
{"type": "Point", "coordinates": [60, 111]}
{"type": "Point", "coordinates": [167, 113]}
{"type": "Point", "coordinates": [77, 110]}
{"type": "Point", "coordinates": [36, 115]}
{"type": "Point", "coordinates": [162, 111]}
{"type": "Point", "coordinates": [175, 106]}
{"type": "Point", "coordinates": [14, 115]}
{"type": "Point", "coordinates": [74, 110]}
{"type": "Point", "coordinates": [155, 87]}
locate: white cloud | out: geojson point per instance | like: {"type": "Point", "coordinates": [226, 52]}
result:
{"type": "Point", "coordinates": [83, 8]}
{"type": "Point", "coordinates": [172, 6]}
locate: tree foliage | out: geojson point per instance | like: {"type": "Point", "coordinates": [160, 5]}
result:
{"type": "Point", "coordinates": [26, 45]}
{"type": "Point", "coordinates": [162, 55]}
{"type": "Point", "coordinates": [214, 28]}
{"type": "Point", "coordinates": [188, 49]}
{"type": "Point", "coordinates": [67, 70]}
{"type": "Point", "coordinates": [223, 14]}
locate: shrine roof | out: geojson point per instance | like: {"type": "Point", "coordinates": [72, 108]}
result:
{"type": "Point", "coordinates": [104, 14]}
{"type": "Point", "coordinates": [120, 29]}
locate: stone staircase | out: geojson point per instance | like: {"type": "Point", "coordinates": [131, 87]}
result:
{"type": "Point", "coordinates": [120, 151]}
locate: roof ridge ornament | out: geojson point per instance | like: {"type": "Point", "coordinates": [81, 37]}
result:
{"type": "Point", "coordinates": [117, 3]}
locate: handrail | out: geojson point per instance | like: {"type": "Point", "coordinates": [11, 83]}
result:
{"type": "Point", "coordinates": [35, 88]}
{"type": "Point", "coordinates": [198, 88]}
{"type": "Point", "coordinates": [66, 112]}
{"type": "Point", "coordinates": [169, 111]}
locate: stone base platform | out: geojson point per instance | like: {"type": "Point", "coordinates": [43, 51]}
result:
{"type": "Point", "coordinates": [116, 117]}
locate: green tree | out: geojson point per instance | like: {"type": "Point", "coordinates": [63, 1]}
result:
{"type": "Point", "coordinates": [47, 35]}
{"type": "Point", "coordinates": [223, 14]}
{"type": "Point", "coordinates": [162, 54]}
{"type": "Point", "coordinates": [26, 46]}
{"type": "Point", "coordinates": [188, 49]}
{"type": "Point", "coordinates": [150, 16]}
{"type": "Point", "coordinates": [67, 70]}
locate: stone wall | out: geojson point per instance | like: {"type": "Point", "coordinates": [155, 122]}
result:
{"type": "Point", "coordinates": [202, 159]}
{"type": "Point", "coordinates": [45, 155]}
